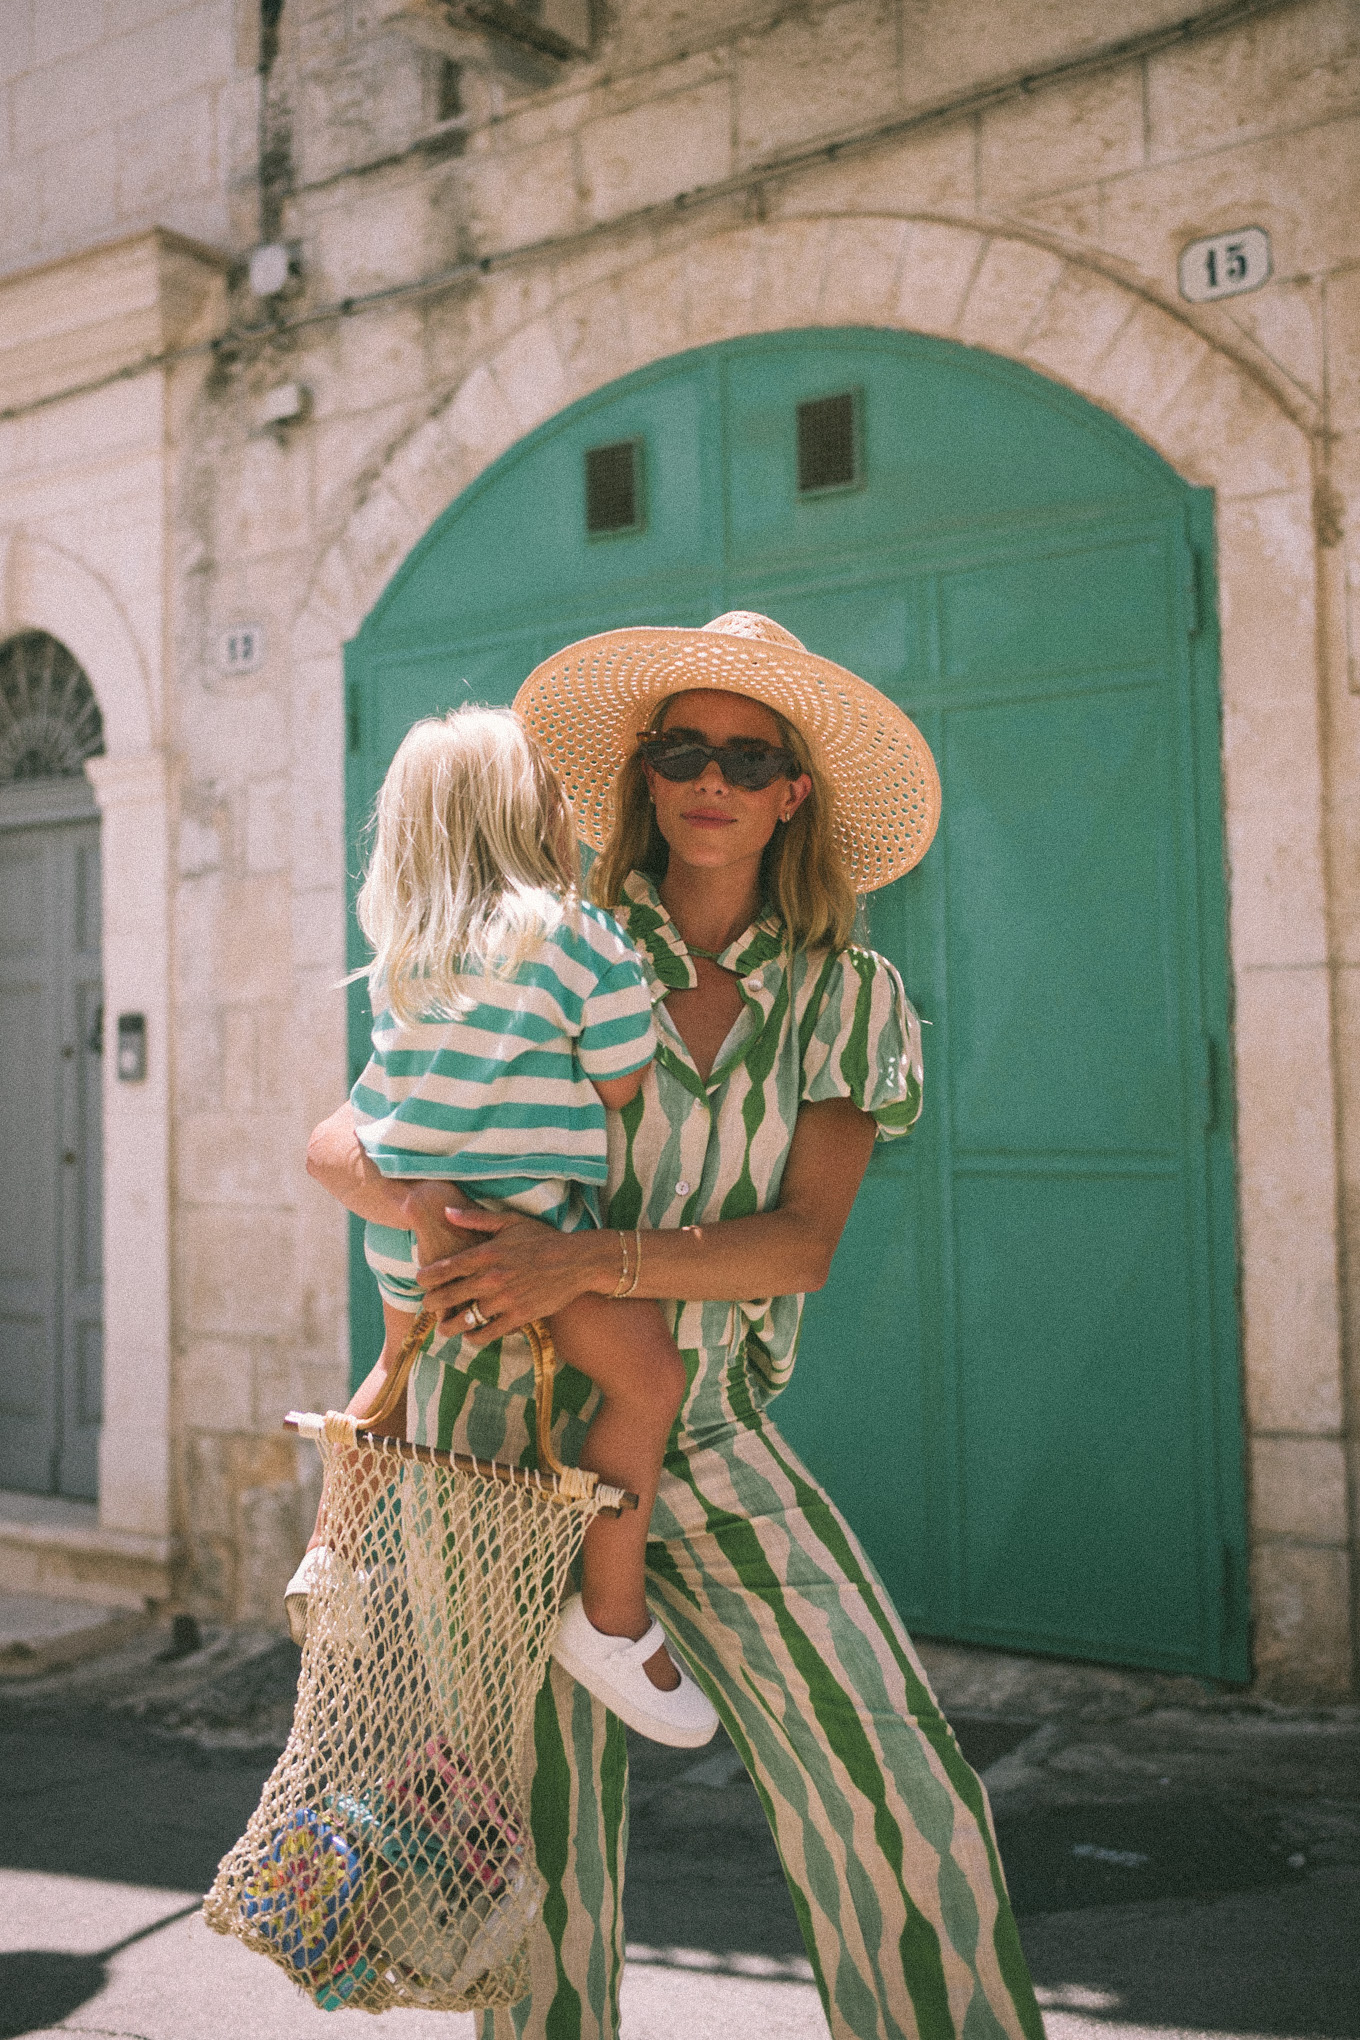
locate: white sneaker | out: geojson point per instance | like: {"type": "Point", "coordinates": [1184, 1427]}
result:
{"type": "Point", "coordinates": [611, 1667]}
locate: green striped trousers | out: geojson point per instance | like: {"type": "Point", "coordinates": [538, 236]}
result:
{"type": "Point", "coordinates": [883, 1829]}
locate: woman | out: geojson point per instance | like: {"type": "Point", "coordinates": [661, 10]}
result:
{"type": "Point", "coordinates": [768, 787]}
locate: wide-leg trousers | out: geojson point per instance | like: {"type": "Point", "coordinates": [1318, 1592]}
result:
{"type": "Point", "coordinates": [883, 1829]}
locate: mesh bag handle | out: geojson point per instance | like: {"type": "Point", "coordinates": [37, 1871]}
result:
{"type": "Point", "coordinates": [389, 1861]}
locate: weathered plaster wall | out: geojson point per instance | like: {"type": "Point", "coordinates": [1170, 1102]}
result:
{"type": "Point", "coordinates": [532, 248]}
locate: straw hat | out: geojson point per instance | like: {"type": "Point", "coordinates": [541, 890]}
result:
{"type": "Point", "coordinates": [587, 703]}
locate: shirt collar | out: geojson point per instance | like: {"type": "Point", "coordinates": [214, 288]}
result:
{"type": "Point", "coordinates": [671, 966]}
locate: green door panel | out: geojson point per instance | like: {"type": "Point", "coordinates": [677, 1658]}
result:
{"type": "Point", "coordinates": [1063, 1019]}
{"type": "Point", "coordinates": [1075, 1382]}
{"type": "Point", "coordinates": [1021, 1381]}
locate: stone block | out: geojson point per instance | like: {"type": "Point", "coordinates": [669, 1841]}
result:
{"type": "Point", "coordinates": [375, 359]}
{"type": "Point", "coordinates": [361, 99]}
{"type": "Point", "coordinates": [330, 611]}
{"type": "Point", "coordinates": [528, 372]}
{"type": "Point", "coordinates": [162, 159]}
{"type": "Point", "coordinates": [480, 419]}
{"type": "Point", "coordinates": [123, 76]}
{"type": "Point", "coordinates": [862, 273]}
{"type": "Point", "coordinates": [1078, 324]}
{"type": "Point", "coordinates": [18, 218]}
{"type": "Point", "coordinates": [742, 282]}
{"type": "Point", "coordinates": [918, 174]}
{"type": "Point", "coordinates": [59, 32]}
{"type": "Point", "coordinates": [377, 539]}
{"type": "Point", "coordinates": [1302, 1629]}
{"type": "Point", "coordinates": [1223, 430]}
{"type": "Point", "coordinates": [270, 1541]}
{"type": "Point", "coordinates": [236, 1157]}
{"type": "Point", "coordinates": [254, 950]}
{"type": "Point", "coordinates": [267, 825]}
{"type": "Point", "coordinates": [239, 1029]}
{"type": "Point", "coordinates": [1343, 351]}
{"type": "Point", "coordinates": [428, 472]}
{"type": "Point", "coordinates": [198, 1059]}
{"type": "Point", "coordinates": [658, 309]}
{"type": "Point", "coordinates": [16, 38]}
{"type": "Point", "coordinates": [215, 1378]}
{"type": "Point", "coordinates": [1068, 134]}
{"type": "Point", "coordinates": [319, 930]}
{"type": "Point", "coordinates": [360, 241]}
{"type": "Point", "coordinates": [349, 454]}
{"type": "Point", "coordinates": [813, 73]}
{"type": "Point", "coordinates": [1302, 186]}
{"type": "Point", "coordinates": [650, 153]}
{"type": "Point", "coordinates": [1146, 366]}
{"type": "Point", "coordinates": [1298, 1489]}
{"type": "Point", "coordinates": [1280, 70]}
{"type": "Point", "coordinates": [262, 495]}
{"type": "Point", "coordinates": [1073, 214]}
{"type": "Point", "coordinates": [1009, 290]}
{"type": "Point", "coordinates": [521, 195]}
{"type": "Point", "coordinates": [77, 186]}
{"type": "Point", "coordinates": [237, 1277]}
{"type": "Point", "coordinates": [938, 266]}
{"type": "Point", "coordinates": [594, 342]}
{"type": "Point", "coordinates": [778, 269]}
{"type": "Point", "coordinates": [1272, 762]}
{"type": "Point", "coordinates": [1288, 1200]}
{"type": "Point", "coordinates": [1285, 321]}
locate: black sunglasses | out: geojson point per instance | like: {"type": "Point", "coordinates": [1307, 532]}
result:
{"type": "Point", "coordinates": [679, 755]}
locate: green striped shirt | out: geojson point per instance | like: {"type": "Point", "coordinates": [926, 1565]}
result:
{"type": "Point", "coordinates": [689, 1150]}
{"type": "Point", "coordinates": [500, 1097]}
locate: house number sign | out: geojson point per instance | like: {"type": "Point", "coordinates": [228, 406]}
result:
{"type": "Point", "coordinates": [1225, 265]}
{"type": "Point", "coordinates": [241, 649]}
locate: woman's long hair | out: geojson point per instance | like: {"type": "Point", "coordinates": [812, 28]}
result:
{"type": "Point", "coordinates": [472, 851]}
{"type": "Point", "coordinates": [802, 872]}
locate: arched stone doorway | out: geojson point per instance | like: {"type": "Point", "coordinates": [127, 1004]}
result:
{"type": "Point", "coordinates": [51, 1051]}
{"type": "Point", "coordinates": [1223, 420]}
{"type": "Point", "coordinates": [1022, 1382]}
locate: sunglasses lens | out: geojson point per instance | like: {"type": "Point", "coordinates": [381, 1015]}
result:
{"type": "Point", "coordinates": [752, 771]}
{"type": "Point", "coordinates": [676, 761]}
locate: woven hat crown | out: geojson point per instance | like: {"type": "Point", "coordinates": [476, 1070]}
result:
{"type": "Point", "coordinates": [749, 623]}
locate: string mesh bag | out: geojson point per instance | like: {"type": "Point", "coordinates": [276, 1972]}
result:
{"type": "Point", "coordinates": [389, 1861]}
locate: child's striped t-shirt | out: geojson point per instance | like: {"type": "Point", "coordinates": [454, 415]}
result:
{"type": "Point", "coordinates": [499, 1097]}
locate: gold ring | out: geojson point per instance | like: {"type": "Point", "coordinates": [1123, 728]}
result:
{"type": "Point", "coordinates": [472, 1317]}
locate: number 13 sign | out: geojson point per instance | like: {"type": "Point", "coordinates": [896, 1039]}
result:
{"type": "Point", "coordinates": [1225, 265]}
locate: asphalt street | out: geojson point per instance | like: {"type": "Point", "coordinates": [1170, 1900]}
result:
{"type": "Point", "coordinates": [1181, 1862]}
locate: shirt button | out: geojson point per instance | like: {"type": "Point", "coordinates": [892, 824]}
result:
{"type": "Point", "coordinates": [757, 983]}
{"type": "Point", "coordinates": [682, 1188]}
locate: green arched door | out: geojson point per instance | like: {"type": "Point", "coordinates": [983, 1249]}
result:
{"type": "Point", "coordinates": [1022, 1380]}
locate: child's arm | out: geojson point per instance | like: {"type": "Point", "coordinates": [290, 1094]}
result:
{"type": "Point", "coordinates": [613, 1093]}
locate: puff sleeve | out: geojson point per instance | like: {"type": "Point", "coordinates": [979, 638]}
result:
{"type": "Point", "coordinates": [862, 1041]}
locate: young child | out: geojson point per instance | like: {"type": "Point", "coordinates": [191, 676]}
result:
{"type": "Point", "coordinates": [509, 1013]}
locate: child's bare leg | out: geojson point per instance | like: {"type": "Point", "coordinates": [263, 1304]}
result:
{"type": "Point", "coordinates": [626, 1351]}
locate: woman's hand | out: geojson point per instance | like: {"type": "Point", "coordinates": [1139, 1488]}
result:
{"type": "Point", "coordinates": [520, 1269]}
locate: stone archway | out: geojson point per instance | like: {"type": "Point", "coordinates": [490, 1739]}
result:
{"type": "Point", "coordinates": [1217, 421]}
{"type": "Point", "coordinates": [43, 587]}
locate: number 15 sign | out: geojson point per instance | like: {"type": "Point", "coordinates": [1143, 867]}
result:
{"type": "Point", "coordinates": [1225, 265]}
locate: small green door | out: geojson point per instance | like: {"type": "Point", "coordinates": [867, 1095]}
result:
{"type": "Point", "coordinates": [1021, 1382]}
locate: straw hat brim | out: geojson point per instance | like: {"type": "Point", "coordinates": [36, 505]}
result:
{"type": "Point", "coordinates": [587, 703]}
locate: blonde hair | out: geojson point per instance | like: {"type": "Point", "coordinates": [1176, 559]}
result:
{"type": "Point", "coordinates": [803, 871]}
{"type": "Point", "coordinates": [472, 851]}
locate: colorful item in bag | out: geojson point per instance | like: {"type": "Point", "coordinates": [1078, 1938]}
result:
{"type": "Point", "coordinates": [438, 1788]}
{"type": "Point", "coordinates": [306, 1892]}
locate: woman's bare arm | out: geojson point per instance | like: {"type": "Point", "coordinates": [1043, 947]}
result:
{"type": "Point", "coordinates": [526, 1270]}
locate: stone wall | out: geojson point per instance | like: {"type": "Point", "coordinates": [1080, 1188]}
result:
{"type": "Point", "coordinates": [484, 240]}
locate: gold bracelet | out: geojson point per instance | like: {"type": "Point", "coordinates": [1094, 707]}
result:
{"type": "Point", "coordinates": [637, 1264]}
{"type": "Point", "coordinates": [620, 1287]}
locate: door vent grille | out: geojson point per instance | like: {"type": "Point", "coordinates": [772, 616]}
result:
{"type": "Point", "coordinates": [828, 444]}
{"type": "Point", "coordinates": [614, 487]}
